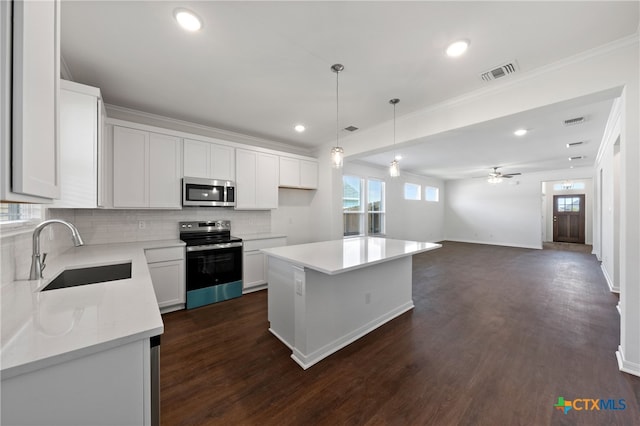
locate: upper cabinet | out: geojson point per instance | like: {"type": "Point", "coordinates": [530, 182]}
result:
{"type": "Point", "coordinates": [209, 160]}
{"type": "Point", "coordinates": [35, 70]}
{"type": "Point", "coordinates": [81, 146]}
{"type": "Point", "coordinates": [298, 173]}
{"type": "Point", "coordinates": [256, 180]}
{"type": "Point", "coordinates": [146, 169]}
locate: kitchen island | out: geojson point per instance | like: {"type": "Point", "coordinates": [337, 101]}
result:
{"type": "Point", "coordinates": [323, 296]}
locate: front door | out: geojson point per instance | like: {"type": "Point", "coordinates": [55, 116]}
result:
{"type": "Point", "coordinates": [568, 218]}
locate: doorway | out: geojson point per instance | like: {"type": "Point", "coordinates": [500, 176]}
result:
{"type": "Point", "coordinates": [569, 218]}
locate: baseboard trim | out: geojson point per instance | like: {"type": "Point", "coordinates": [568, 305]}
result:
{"type": "Point", "coordinates": [495, 243]}
{"type": "Point", "coordinates": [627, 366]}
{"type": "Point", "coordinates": [607, 277]}
{"type": "Point", "coordinates": [306, 361]}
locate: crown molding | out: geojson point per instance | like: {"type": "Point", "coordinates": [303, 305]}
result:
{"type": "Point", "coordinates": [130, 114]}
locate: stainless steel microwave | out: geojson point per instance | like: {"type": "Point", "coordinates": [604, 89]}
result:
{"type": "Point", "coordinates": [198, 192]}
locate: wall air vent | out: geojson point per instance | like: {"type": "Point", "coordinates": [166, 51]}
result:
{"type": "Point", "coordinates": [351, 128]}
{"type": "Point", "coordinates": [500, 71]}
{"type": "Point", "coordinates": [572, 144]}
{"type": "Point", "coordinates": [574, 121]}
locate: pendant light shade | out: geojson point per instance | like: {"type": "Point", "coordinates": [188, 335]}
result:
{"type": "Point", "coordinates": [394, 168]}
{"type": "Point", "coordinates": [337, 153]}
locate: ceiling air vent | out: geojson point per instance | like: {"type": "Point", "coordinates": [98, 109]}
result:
{"type": "Point", "coordinates": [351, 128]}
{"type": "Point", "coordinates": [577, 157]}
{"type": "Point", "coordinates": [572, 144]}
{"type": "Point", "coordinates": [574, 121]}
{"type": "Point", "coordinates": [499, 72]}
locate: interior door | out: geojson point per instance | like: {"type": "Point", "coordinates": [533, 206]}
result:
{"type": "Point", "coordinates": [568, 218]}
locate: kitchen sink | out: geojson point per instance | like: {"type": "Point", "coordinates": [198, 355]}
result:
{"type": "Point", "coordinates": [92, 275]}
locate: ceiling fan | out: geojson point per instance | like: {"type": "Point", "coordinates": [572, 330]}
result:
{"type": "Point", "coordinates": [496, 177]}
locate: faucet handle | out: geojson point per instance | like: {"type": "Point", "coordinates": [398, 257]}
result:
{"type": "Point", "coordinates": [42, 264]}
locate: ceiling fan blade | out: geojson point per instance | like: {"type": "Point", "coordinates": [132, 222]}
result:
{"type": "Point", "coordinates": [509, 175]}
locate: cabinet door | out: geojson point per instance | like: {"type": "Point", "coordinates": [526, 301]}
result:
{"type": "Point", "coordinates": [245, 179]}
{"type": "Point", "coordinates": [36, 70]}
{"type": "Point", "coordinates": [168, 282]}
{"type": "Point", "coordinates": [130, 167]}
{"type": "Point", "coordinates": [289, 172]}
{"type": "Point", "coordinates": [308, 174]}
{"type": "Point", "coordinates": [254, 269]}
{"type": "Point", "coordinates": [267, 182]}
{"type": "Point", "coordinates": [197, 159]}
{"type": "Point", "coordinates": [164, 171]}
{"type": "Point", "coordinates": [223, 162]}
{"type": "Point", "coordinates": [78, 149]}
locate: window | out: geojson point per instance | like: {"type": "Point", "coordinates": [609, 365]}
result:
{"type": "Point", "coordinates": [568, 204]}
{"type": "Point", "coordinates": [352, 205]}
{"type": "Point", "coordinates": [432, 194]}
{"type": "Point", "coordinates": [357, 220]}
{"type": "Point", "coordinates": [17, 214]}
{"type": "Point", "coordinates": [412, 191]}
{"type": "Point", "coordinates": [566, 186]}
{"type": "Point", "coordinates": [375, 207]}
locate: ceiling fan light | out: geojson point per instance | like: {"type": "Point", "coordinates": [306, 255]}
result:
{"type": "Point", "coordinates": [494, 179]}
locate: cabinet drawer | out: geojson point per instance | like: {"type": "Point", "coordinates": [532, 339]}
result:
{"type": "Point", "coordinates": [262, 244]}
{"type": "Point", "coordinates": [164, 254]}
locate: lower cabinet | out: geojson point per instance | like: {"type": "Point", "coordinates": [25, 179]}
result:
{"type": "Point", "coordinates": [254, 262]}
{"type": "Point", "coordinates": [166, 266]}
{"type": "Point", "coordinates": [110, 387]}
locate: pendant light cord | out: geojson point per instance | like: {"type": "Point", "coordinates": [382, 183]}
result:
{"type": "Point", "coordinates": [394, 130]}
{"type": "Point", "coordinates": [337, 111]}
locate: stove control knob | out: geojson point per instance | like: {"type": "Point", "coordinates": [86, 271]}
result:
{"type": "Point", "coordinates": [189, 226]}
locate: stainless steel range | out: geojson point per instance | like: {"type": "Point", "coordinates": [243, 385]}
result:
{"type": "Point", "coordinates": [214, 262]}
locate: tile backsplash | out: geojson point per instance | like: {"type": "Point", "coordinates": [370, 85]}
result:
{"type": "Point", "coordinates": [97, 226]}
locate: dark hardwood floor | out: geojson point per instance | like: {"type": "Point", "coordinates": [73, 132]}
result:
{"type": "Point", "coordinates": [496, 336]}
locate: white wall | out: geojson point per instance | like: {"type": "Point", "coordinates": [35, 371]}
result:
{"type": "Point", "coordinates": [508, 213]}
{"type": "Point", "coordinates": [293, 216]}
{"type": "Point", "coordinates": [405, 219]}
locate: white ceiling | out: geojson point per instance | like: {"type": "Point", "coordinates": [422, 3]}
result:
{"type": "Point", "coordinates": [259, 68]}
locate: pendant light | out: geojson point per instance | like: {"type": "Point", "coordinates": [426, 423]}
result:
{"type": "Point", "coordinates": [394, 168]}
{"type": "Point", "coordinates": [337, 153]}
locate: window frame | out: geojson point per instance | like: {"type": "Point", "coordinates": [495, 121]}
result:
{"type": "Point", "coordinates": [418, 192]}
{"type": "Point", "coordinates": [437, 191]}
{"type": "Point", "coordinates": [364, 211]}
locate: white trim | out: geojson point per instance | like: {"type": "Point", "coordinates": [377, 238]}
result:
{"type": "Point", "coordinates": [494, 243]}
{"type": "Point", "coordinates": [626, 366]}
{"type": "Point", "coordinates": [611, 130]}
{"type": "Point", "coordinates": [618, 308]}
{"type": "Point", "coordinates": [607, 277]}
{"type": "Point", "coordinates": [280, 338]}
{"type": "Point", "coordinates": [65, 73]}
{"type": "Point", "coordinates": [306, 361]}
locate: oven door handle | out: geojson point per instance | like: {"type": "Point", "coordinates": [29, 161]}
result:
{"type": "Point", "coordinates": [214, 246]}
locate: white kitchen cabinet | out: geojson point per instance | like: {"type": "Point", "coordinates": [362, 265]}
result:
{"type": "Point", "coordinates": [209, 160]}
{"type": "Point", "coordinates": [254, 262]}
{"type": "Point", "coordinates": [110, 387]}
{"type": "Point", "coordinates": [81, 146]}
{"type": "Point", "coordinates": [146, 169]}
{"type": "Point", "coordinates": [257, 175]}
{"type": "Point", "coordinates": [33, 165]}
{"type": "Point", "coordinates": [298, 173]}
{"type": "Point", "coordinates": [166, 266]}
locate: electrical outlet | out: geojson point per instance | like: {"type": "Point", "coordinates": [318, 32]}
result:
{"type": "Point", "coordinates": [142, 224]}
{"type": "Point", "coordinates": [299, 287]}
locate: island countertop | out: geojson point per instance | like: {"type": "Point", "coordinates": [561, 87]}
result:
{"type": "Point", "coordinates": [338, 256]}
{"type": "Point", "coordinates": [45, 328]}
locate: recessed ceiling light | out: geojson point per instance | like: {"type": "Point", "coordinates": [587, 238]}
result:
{"type": "Point", "coordinates": [187, 19]}
{"type": "Point", "coordinates": [520, 132]}
{"type": "Point", "coordinates": [457, 48]}
{"type": "Point", "coordinates": [299, 128]}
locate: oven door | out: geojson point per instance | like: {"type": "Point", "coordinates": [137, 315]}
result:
{"type": "Point", "coordinates": [214, 273]}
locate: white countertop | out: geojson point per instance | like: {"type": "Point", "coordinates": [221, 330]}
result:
{"type": "Point", "coordinates": [259, 236]}
{"type": "Point", "coordinates": [45, 328]}
{"type": "Point", "coordinates": [337, 256]}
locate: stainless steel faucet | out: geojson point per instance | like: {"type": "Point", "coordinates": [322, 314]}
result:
{"type": "Point", "coordinates": [37, 263]}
